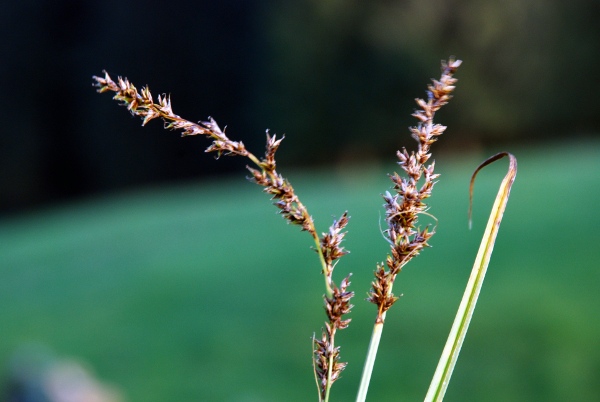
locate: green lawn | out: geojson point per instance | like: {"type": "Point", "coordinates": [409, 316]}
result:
{"type": "Point", "coordinates": [202, 293]}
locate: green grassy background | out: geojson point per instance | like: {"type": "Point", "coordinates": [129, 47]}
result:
{"type": "Point", "coordinates": [201, 293]}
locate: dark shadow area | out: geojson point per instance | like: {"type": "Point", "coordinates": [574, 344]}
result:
{"type": "Point", "coordinates": [337, 78]}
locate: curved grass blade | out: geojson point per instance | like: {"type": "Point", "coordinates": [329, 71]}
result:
{"type": "Point", "coordinates": [441, 377]}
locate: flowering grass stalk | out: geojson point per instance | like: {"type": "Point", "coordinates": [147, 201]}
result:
{"type": "Point", "coordinates": [403, 207]}
{"type": "Point", "coordinates": [402, 210]}
{"type": "Point", "coordinates": [328, 247]}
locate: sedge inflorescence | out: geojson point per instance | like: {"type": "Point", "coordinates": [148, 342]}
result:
{"type": "Point", "coordinates": [403, 205]}
{"type": "Point", "coordinates": [403, 208]}
{"type": "Point", "coordinates": [328, 246]}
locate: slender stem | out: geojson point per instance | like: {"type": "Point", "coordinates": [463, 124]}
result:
{"type": "Point", "coordinates": [370, 360]}
{"type": "Point", "coordinates": [255, 160]}
{"type": "Point", "coordinates": [325, 268]}
{"type": "Point", "coordinates": [329, 368]}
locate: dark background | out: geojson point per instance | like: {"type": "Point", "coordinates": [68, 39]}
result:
{"type": "Point", "coordinates": [338, 78]}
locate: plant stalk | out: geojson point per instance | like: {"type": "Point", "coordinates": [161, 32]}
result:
{"type": "Point", "coordinates": [370, 360]}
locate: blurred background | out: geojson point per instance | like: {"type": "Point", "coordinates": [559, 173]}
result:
{"type": "Point", "coordinates": [167, 275]}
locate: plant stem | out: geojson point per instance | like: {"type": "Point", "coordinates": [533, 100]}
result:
{"type": "Point", "coordinates": [325, 268]}
{"type": "Point", "coordinates": [370, 360]}
{"type": "Point", "coordinates": [329, 370]}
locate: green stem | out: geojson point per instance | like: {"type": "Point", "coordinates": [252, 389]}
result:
{"type": "Point", "coordinates": [370, 360]}
{"type": "Point", "coordinates": [326, 269]}
{"type": "Point", "coordinates": [255, 160]}
{"type": "Point", "coordinates": [329, 369]}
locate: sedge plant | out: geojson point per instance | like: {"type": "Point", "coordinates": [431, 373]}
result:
{"type": "Point", "coordinates": [404, 205]}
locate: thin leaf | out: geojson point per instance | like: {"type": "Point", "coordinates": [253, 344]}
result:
{"type": "Point", "coordinates": [442, 375]}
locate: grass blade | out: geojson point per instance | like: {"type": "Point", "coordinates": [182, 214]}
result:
{"type": "Point", "coordinates": [443, 372]}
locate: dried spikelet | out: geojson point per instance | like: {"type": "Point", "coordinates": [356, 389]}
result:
{"type": "Point", "coordinates": [402, 209]}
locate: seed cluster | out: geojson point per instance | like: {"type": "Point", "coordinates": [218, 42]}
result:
{"type": "Point", "coordinates": [403, 206]}
{"type": "Point", "coordinates": [402, 209]}
{"type": "Point", "coordinates": [337, 298]}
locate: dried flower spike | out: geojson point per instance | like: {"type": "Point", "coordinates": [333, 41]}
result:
{"type": "Point", "coordinates": [326, 362]}
{"type": "Point", "coordinates": [337, 299]}
{"type": "Point", "coordinates": [142, 105]}
{"type": "Point", "coordinates": [402, 209]}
